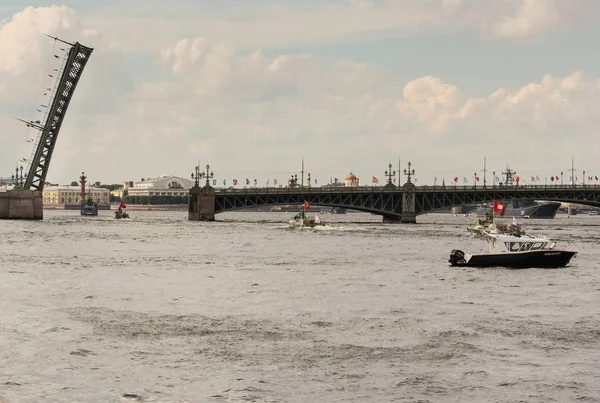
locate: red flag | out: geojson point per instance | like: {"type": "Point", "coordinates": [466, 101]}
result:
{"type": "Point", "coordinates": [122, 205]}
{"type": "Point", "coordinates": [306, 206]}
{"type": "Point", "coordinates": [477, 178]}
{"type": "Point", "coordinates": [499, 207]}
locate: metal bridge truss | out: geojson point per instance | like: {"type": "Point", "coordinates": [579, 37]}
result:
{"type": "Point", "coordinates": [77, 58]}
{"type": "Point", "coordinates": [387, 202]}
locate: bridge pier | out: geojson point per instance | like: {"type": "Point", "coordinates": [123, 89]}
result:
{"type": "Point", "coordinates": [409, 215]}
{"type": "Point", "coordinates": [21, 204]}
{"type": "Point", "coordinates": [392, 219]}
{"type": "Point", "coordinates": [201, 205]}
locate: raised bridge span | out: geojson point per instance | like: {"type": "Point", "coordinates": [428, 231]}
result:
{"type": "Point", "coordinates": [394, 204]}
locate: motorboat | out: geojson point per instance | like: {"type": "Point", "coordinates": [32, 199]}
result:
{"type": "Point", "coordinates": [515, 252]}
{"type": "Point", "coordinates": [89, 208]}
{"type": "Point", "coordinates": [303, 220]}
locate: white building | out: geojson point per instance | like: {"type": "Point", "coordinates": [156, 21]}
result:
{"type": "Point", "coordinates": [162, 186]}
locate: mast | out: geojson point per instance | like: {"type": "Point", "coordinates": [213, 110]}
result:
{"type": "Point", "coordinates": [302, 176]}
{"type": "Point", "coordinates": [484, 171]}
{"type": "Point", "coordinates": [572, 172]}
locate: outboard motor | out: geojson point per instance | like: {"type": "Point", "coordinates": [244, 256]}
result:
{"type": "Point", "coordinates": [457, 257]}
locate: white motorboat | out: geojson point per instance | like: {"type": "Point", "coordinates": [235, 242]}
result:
{"type": "Point", "coordinates": [515, 251]}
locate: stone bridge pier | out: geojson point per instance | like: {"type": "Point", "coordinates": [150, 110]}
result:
{"type": "Point", "coordinates": [201, 205]}
{"type": "Point", "coordinates": [21, 203]}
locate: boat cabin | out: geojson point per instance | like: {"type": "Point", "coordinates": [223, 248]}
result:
{"type": "Point", "coordinates": [502, 243]}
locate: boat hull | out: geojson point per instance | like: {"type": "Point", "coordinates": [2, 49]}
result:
{"type": "Point", "coordinates": [547, 259]}
{"type": "Point", "coordinates": [542, 210]}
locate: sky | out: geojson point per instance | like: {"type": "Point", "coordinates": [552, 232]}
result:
{"type": "Point", "coordinates": [253, 87]}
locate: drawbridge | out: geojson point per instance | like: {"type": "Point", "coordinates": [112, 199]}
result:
{"type": "Point", "coordinates": [25, 200]}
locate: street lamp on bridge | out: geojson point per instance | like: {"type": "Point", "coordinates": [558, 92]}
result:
{"type": "Point", "coordinates": [390, 174]}
{"type": "Point", "coordinates": [409, 173]}
{"type": "Point", "coordinates": [208, 175]}
{"type": "Point", "coordinates": [17, 179]}
{"type": "Point", "coordinates": [293, 181]}
{"type": "Point", "coordinates": [197, 175]}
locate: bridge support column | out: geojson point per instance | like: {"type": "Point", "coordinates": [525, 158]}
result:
{"type": "Point", "coordinates": [391, 219]}
{"type": "Point", "coordinates": [201, 205]}
{"type": "Point", "coordinates": [21, 204]}
{"type": "Point", "coordinates": [408, 215]}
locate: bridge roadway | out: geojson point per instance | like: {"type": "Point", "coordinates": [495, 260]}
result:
{"type": "Point", "coordinates": [387, 200]}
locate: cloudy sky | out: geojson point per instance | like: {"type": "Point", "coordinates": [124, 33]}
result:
{"type": "Point", "coordinates": [251, 87]}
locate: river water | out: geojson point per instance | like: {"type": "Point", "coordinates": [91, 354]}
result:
{"type": "Point", "coordinates": [160, 309]}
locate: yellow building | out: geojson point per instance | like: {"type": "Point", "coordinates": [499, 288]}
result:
{"type": "Point", "coordinates": [62, 196]}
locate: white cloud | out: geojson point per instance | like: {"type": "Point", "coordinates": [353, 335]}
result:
{"type": "Point", "coordinates": [248, 114]}
{"type": "Point", "coordinates": [260, 25]}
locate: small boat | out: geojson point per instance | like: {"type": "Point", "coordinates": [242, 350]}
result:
{"type": "Point", "coordinates": [594, 212]}
{"type": "Point", "coordinates": [304, 220]}
{"type": "Point", "coordinates": [89, 208]}
{"type": "Point", "coordinates": [120, 213]}
{"type": "Point", "coordinates": [488, 225]}
{"type": "Point", "coordinates": [515, 252]}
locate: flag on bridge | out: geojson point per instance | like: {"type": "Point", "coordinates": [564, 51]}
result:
{"type": "Point", "coordinates": [235, 182]}
{"type": "Point", "coordinates": [214, 182]}
{"type": "Point", "coordinates": [464, 179]}
{"type": "Point", "coordinates": [247, 181]}
{"type": "Point", "coordinates": [375, 180]}
{"type": "Point", "coordinates": [224, 182]}
{"type": "Point", "coordinates": [255, 182]}
{"type": "Point", "coordinates": [274, 181]}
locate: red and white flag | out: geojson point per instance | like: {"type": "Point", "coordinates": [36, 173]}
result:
{"type": "Point", "coordinates": [499, 207]}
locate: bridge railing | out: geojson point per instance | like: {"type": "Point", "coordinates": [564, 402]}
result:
{"type": "Point", "coordinates": [385, 189]}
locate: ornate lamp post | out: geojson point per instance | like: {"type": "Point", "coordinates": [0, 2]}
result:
{"type": "Point", "coordinates": [196, 176]}
{"type": "Point", "coordinates": [583, 178]}
{"type": "Point", "coordinates": [209, 175]}
{"type": "Point", "coordinates": [475, 179]}
{"type": "Point", "coordinates": [390, 174]}
{"type": "Point", "coordinates": [293, 181]}
{"type": "Point", "coordinates": [17, 179]}
{"type": "Point", "coordinates": [409, 173]}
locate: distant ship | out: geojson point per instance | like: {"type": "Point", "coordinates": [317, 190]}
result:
{"type": "Point", "coordinates": [338, 210]}
{"type": "Point", "coordinates": [526, 208]}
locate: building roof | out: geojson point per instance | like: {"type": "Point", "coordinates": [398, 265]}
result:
{"type": "Point", "coordinates": [73, 188]}
{"type": "Point", "coordinates": [164, 182]}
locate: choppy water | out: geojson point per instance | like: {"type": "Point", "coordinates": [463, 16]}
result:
{"type": "Point", "coordinates": [159, 309]}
